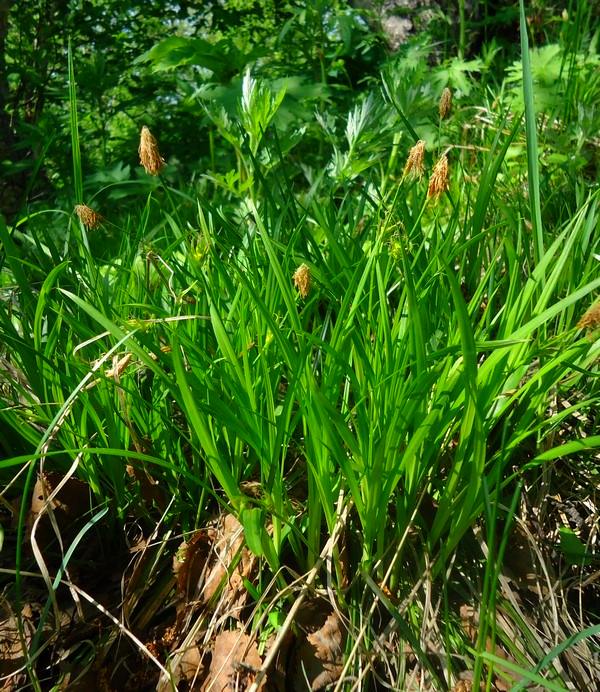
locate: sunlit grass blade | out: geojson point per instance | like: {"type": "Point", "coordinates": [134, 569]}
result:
{"type": "Point", "coordinates": [201, 427]}
{"type": "Point", "coordinates": [74, 129]}
{"type": "Point", "coordinates": [533, 169]}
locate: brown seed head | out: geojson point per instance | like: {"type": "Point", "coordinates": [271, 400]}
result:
{"type": "Point", "coordinates": [591, 319]}
{"type": "Point", "coordinates": [150, 157]}
{"type": "Point", "coordinates": [88, 217]}
{"type": "Point", "coordinates": [302, 280]}
{"type": "Point", "coordinates": [415, 163]}
{"type": "Point", "coordinates": [445, 105]}
{"type": "Point", "coordinates": [438, 182]}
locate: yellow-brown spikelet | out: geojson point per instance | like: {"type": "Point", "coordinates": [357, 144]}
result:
{"type": "Point", "coordinates": [445, 105]}
{"type": "Point", "coordinates": [591, 319]}
{"type": "Point", "coordinates": [150, 157]}
{"type": "Point", "coordinates": [88, 217]}
{"type": "Point", "coordinates": [438, 182]}
{"type": "Point", "coordinates": [415, 162]}
{"type": "Point", "coordinates": [302, 280]}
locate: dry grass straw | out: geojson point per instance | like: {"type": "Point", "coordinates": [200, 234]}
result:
{"type": "Point", "coordinates": [343, 509]}
{"type": "Point", "coordinates": [378, 589]}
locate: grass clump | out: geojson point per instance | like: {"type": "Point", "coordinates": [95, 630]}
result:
{"type": "Point", "coordinates": [345, 409]}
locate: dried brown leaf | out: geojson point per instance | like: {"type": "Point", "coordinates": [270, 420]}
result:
{"type": "Point", "coordinates": [150, 489]}
{"type": "Point", "coordinates": [278, 672]}
{"type": "Point", "coordinates": [190, 561]}
{"type": "Point", "coordinates": [469, 617]}
{"type": "Point", "coordinates": [234, 665]}
{"type": "Point", "coordinates": [469, 620]}
{"type": "Point", "coordinates": [229, 543]}
{"type": "Point", "coordinates": [73, 499]}
{"type": "Point", "coordinates": [519, 561]}
{"type": "Point", "coordinates": [12, 655]}
{"type": "Point", "coordinates": [214, 562]}
{"type": "Point", "coordinates": [69, 508]}
{"type": "Point", "coordinates": [93, 679]}
{"type": "Point", "coordinates": [190, 667]}
{"type": "Point", "coordinates": [317, 660]}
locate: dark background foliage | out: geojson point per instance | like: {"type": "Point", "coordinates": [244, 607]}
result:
{"type": "Point", "coordinates": [178, 66]}
{"type": "Point", "coordinates": [123, 84]}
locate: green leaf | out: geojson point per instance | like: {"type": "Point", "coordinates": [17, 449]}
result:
{"type": "Point", "coordinates": [529, 676]}
{"type": "Point", "coordinates": [573, 548]}
{"type": "Point", "coordinates": [223, 58]}
{"type": "Point", "coordinates": [200, 423]}
{"type": "Point", "coordinates": [585, 444]}
{"type": "Point", "coordinates": [456, 74]}
{"type": "Point", "coordinates": [176, 51]}
{"type": "Point", "coordinates": [252, 521]}
{"type": "Point", "coordinates": [257, 537]}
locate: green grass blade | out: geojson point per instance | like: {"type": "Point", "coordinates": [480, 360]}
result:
{"type": "Point", "coordinates": [532, 140]}
{"type": "Point", "coordinates": [75, 149]}
{"type": "Point", "coordinates": [200, 425]}
{"type": "Point", "coordinates": [557, 651]}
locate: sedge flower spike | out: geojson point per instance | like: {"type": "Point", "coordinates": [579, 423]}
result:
{"type": "Point", "coordinates": [591, 319]}
{"type": "Point", "coordinates": [150, 157]}
{"type": "Point", "coordinates": [445, 105]}
{"type": "Point", "coordinates": [88, 217]}
{"type": "Point", "coordinates": [302, 280]}
{"type": "Point", "coordinates": [438, 182]}
{"type": "Point", "coordinates": [415, 162]}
